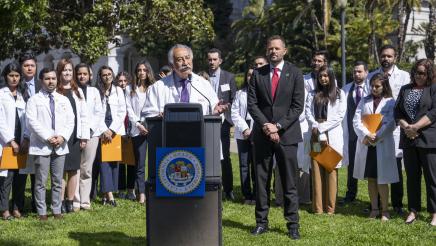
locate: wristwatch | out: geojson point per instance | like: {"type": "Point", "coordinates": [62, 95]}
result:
{"type": "Point", "coordinates": [279, 127]}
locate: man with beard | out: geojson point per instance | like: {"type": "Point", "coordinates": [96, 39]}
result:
{"type": "Point", "coordinates": [224, 86]}
{"type": "Point", "coordinates": [182, 86]}
{"type": "Point", "coordinates": [354, 92]}
{"type": "Point", "coordinates": [397, 78]}
{"type": "Point", "coordinates": [275, 101]}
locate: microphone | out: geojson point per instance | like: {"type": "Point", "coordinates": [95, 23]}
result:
{"type": "Point", "coordinates": [210, 105]}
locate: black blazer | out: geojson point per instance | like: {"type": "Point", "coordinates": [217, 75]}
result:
{"type": "Point", "coordinates": [285, 109]}
{"type": "Point", "coordinates": [227, 96]}
{"type": "Point", "coordinates": [427, 106]}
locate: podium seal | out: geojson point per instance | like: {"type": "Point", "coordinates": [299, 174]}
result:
{"type": "Point", "coordinates": [180, 173]}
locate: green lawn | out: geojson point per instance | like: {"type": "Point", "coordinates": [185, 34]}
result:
{"type": "Point", "coordinates": [125, 225]}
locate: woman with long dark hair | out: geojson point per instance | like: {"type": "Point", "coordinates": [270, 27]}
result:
{"type": "Point", "coordinates": [415, 112]}
{"type": "Point", "coordinates": [325, 109]}
{"type": "Point", "coordinates": [375, 152]}
{"type": "Point", "coordinates": [13, 133]}
{"type": "Point", "coordinates": [135, 100]}
{"type": "Point", "coordinates": [114, 108]}
{"type": "Point", "coordinates": [94, 108]}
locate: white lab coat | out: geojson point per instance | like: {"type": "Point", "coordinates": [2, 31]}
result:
{"type": "Point", "coordinates": [332, 126]}
{"type": "Point", "coordinates": [303, 157]}
{"type": "Point", "coordinates": [95, 110]}
{"type": "Point", "coordinates": [165, 91]}
{"type": "Point", "coordinates": [82, 118]}
{"type": "Point", "coordinates": [134, 105]}
{"type": "Point", "coordinates": [346, 88]}
{"type": "Point", "coordinates": [240, 115]}
{"type": "Point", "coordinates": [397, 79]}
{"type": "Point", "coordinates": [8, 106]}
{"type": "Point", "coordinates": [38, 117]}
{"type": "Point", "coordinates": [117, 103]}
{"type": "Point", "coordinates": [309, 83]}
{"type": "Point", "coordinates": [386, 164]}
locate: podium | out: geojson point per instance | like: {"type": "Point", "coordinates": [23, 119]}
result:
{"type": "Point", "coordinates": [185, 220]}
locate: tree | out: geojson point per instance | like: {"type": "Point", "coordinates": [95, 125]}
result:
{"type": "Point", "coordinates": [430, 32]}
{"type": "Point", "coordinates": [87, 27]}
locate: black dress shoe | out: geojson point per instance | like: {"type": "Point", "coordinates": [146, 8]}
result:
{"type": "Point", "coordinates": [113, 203]}
{"type": "Point", "coordinates": [345, 201]}
{"type": "Point", "coordinates": [229, 196]}
{"type": "Point", "coordinates": [399, 211]}
{"type": "Point", "coordinates": [69, 206]}
{"type": "Point", "coordinates": [63, 208]}
{"type": "Point", "coordinates": [294, 234]}
{"type": "Point", "coordinates": [259, 230]}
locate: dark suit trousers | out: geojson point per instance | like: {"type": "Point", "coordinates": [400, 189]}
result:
{"type": "Point", "coordinates": [351, 181]}
{"type": "Point", "coordinates": [18, 191]}
{"type": "Point", "coordinates": [246, 168]}
{"type": "Point", "coordinates": [226, 164]}
{"type": "Point", "coordinates": [416, 162]}
{"type": "Point", "coordinates": [286, 156]}
{"type": "Point", "coordinates": [5, 190]}
{"type": "Point", "coordinates": [397, 192]}
{"type": "Point", "coordinates": [140, 151]}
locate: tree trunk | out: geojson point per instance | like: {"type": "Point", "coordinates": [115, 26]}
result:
{"type": "Point", "coordinates": [402, 29]}
{"type": "Point", "coordinates": [429, 42]}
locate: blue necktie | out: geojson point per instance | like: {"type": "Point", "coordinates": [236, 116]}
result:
{"type": "Point", "coordinates": [184, 95]}
{"type": "Point", "coordinates": [52, 110]}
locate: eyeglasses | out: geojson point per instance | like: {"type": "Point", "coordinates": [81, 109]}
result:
{"type": "Point", "coordinates": [420, 73]}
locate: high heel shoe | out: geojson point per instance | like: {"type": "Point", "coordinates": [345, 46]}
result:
{"type": "Point", "coordinates": [385, 216]}
{"type": "Point", "coordinates": [374, 213]}
{"type": "Point", "coordinates": [113, 203]}
{"type": "Point", "coordinates": [411, 218]}
{"type": "Point", "coordinates": [69, 206]}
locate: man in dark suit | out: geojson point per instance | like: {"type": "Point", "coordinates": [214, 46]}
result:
{"type": "Point", "coordinates": [224, 85]}
{"type": "Point", "coordinates": [32, 85]}
{"type": "Point", "coordinates": [275, 101]}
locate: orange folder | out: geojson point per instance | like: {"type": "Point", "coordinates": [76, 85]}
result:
{"type": "Point", "coordinates": [10, 160]}
{"type": "Point", "coordinates": [112, 151]}
{"type": "Point", "coordinates": [127, 152]}
{"type": "Point", "coordinates": [327, 158]}
{"type": "Point", "coordinates": [372, 122]}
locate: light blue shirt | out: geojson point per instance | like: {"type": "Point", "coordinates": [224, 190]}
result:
{"type": "Point", "coordinates": [215, 79]}
{"type": "Point", "coordinates": [31, 86]}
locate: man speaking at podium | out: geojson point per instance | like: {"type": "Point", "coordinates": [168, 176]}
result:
{"type": "Point", "coordinates": [182, 86]}
{"type": "Point", "coordinates": [275, 101]}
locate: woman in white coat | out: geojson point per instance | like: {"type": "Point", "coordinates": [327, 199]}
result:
{"type": "Point", "coordinates": [13, 133]}
{"type": "Point", "coordinates": [375, 152]}
{"type": "Point", "coordinates": [114, 110]}
{"type": "Point", "coordinates": [94, 107]}
{"type": "Point", "coordinates": [135, 100]}
{"type": "Point", "coordinates": [67, 86]}
{"type": "Point", "coordinates": [325, 109]}
{"type": "Point", "coordinates": [243, 126]}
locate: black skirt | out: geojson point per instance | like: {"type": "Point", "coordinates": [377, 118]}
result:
{"type": "Point", "coordinates": [72, 159]}
{"type": "Point", "coordinates": [371, 163]}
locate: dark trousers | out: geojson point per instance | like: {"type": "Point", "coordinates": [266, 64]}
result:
{"type": "Point", "coordinates": [286, 156]}
{"type": "Point", "coordinates": [226, 164]}
{"type": "Point", "coordinates": [351, 181]}
{"type": "Point", "coordinates": [5, 190]}
{"type": "Point", "coordinates": [140, 151]}
{"type": "Point", "coordinates": [95, 174]}
{"type": "Point", "coordinates": [397, 191]}
{"type": "Point", "coordinates": [18, 191]}
{"type": "Point", "coordinates": [246, 168]}
{"type": "Point", "coordinates": [418, 161]}
{"type": "Point", "coordinates": [126, 177]}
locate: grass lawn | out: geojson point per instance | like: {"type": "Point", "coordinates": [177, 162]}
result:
{"type": "Point", "coordinates": [125, 225]}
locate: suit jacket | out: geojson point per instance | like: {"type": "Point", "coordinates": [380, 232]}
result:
{"type": "Point", "coordinates": [229, 92]}
{"type": "Point", "coordinates": [285, 109]}
{"type": "Point", "coordinates": [427, 106]}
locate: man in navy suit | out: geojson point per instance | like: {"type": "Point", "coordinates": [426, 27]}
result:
{"type": "Point", "coordinates": [275, 101]}
{"type": "Point", "coordinates": [224, 85]}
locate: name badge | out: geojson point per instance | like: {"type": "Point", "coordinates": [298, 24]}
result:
{"type": "Point", "coordinates": [225, 87]}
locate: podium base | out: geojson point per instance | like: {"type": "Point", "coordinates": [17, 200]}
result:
{"type": "Point", "coordinates": [185, 220]}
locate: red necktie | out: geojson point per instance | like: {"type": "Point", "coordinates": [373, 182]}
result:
{"type": "Point", "coordinates": [274, 82]}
